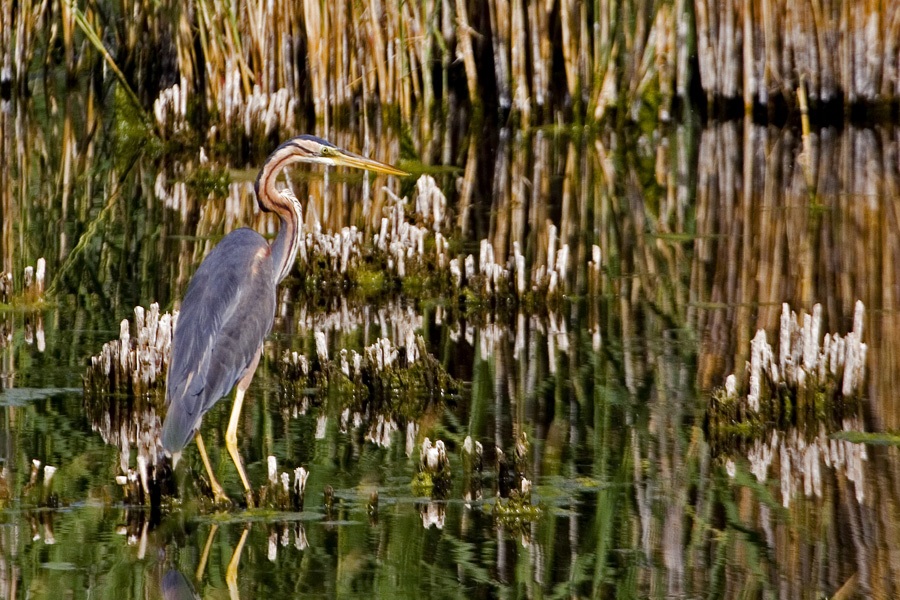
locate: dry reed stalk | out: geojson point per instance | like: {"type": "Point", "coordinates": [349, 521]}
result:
{"type": "Point", "coordinates": [665, 58]}
{"type": "Point", "coordinates": [541, 53]}
{"type": "Point", "coordinates": [9, 205]}
{"type": "Point", "coordinates": [500, 12]}
{"type": "Point", "coordinates": [464, 38]}
{"type": "Point", "coordinates": [540, 188]}
{"type": "Point", "coordinates": [682, 47]}
{"type": "Point", "coordinates": [234, 44]}
{"type": "Point", "coordinates": [7, 74]}
{"type": "Point", "coordinates": [630, 44]}
{"type": "Point", "coordinates": [381, 51]}
{"type": "Point", "coordinates": [568, 18]}
{"type": "Point", "coordinates": [728, 50]}
{"type": "Point", "coordinates": [706, 57]}
{"type": "Point", "coordinates": [467, 189]}
{"type": "Point", "coordinates": [24, 50]}
{"type": "Point", "coordinates": [312, 19]}
{"type": "Point", "coordinates": [770, 60]}
{"type": "Point", "coordinates": [67, 25]}
{"type": "Point", "coordinates": [606, 92]}
{"type": "Point", "coordinates": [255, 38]}
{"type": "Point", "coordinates": [570, 211]}
{"type": "Point", "coordinates": [426, 36]}
{"type": "Point", "coordinates": [506, 186]}
{"type": "Point", "coordinates": [405, 65]}
{"type": "Point", "coordinates": [749, 85]}
{"type": "Point", "coordinates": [584, 57]}
{"type": "Point", "coordinates": [654, 65]}
{"type": "Point", "coordinates": [519, 63]}
{"type": "Point", "coordinates": [342, 57]}
{"type": "Point", "coordinates": [890, 87]}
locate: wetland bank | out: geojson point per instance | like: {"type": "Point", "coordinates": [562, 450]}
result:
{"type": "Point", "coordinates": [506, 375]}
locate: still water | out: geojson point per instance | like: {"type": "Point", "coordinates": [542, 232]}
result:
{"type": "Point", "coordinates": [703, 232]}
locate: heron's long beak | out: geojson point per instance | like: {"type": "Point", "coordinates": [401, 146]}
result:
{"type": "Point", "coordinates": [344, 158]}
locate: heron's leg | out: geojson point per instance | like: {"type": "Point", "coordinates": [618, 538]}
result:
{"type": "Point", "coordinates": [231, 571]}
{"type": "Point", "coordinates": [231, 433]}
{"type": "Point", "coordinates": [201, 568]}
{"type": "Point", "coordinates": [218, 493]}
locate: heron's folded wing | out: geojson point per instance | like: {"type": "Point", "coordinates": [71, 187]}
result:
{"type": "Point", "coordinates": [226, 314]}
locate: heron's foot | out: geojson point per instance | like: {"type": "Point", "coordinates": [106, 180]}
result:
{"type": "Point", "coordinates": [248, 496]}
{"type": "Point", "coordinates": [219, 496]}
{"type": "Point", "coordinates": [222, 501]}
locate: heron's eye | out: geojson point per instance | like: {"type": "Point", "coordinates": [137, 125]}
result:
{"type": "Point", "coordinates": [328, 151]}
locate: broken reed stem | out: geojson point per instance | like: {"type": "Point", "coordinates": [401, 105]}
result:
{"type": "Point", "coordinates": [804, 108]}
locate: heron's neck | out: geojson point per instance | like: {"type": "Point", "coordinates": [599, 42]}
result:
{"type": "Point", "coordinates": [286, 243]}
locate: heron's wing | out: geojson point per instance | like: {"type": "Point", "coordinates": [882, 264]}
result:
{"type": "Point", "coordinates": [226, 313]}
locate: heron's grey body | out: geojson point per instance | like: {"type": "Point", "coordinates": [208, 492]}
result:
{"type": "Point", "coordinates": [227, 311]}
{"type": "Point", "coordinates": [229, 307]}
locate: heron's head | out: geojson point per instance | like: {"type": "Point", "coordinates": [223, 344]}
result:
{"type": "Point", "coordinates": [315, 150]}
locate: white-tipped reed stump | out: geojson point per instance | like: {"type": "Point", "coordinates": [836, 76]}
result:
{"type": "Point", "coordinates": [135, 364]}
{"type": "Point", "coordinates": [806, 382]}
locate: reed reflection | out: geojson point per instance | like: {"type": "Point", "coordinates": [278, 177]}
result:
{"type": "Point", "coordinates": [783, 218]}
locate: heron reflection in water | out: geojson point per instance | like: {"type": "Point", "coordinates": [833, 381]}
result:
{"type": "Point", "coordinates": [229, 307]}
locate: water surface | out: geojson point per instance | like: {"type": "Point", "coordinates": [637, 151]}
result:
{"type": "Point", "coordinates": [704, 233]}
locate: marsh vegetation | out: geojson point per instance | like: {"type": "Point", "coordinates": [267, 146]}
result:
{"type": "Point", "coordinates": [504, 375]}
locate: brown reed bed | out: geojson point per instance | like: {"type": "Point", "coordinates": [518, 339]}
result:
{"type": "Point", "coordinates": [250, 70]}
{"type": "Point", "coordinates": [763, 52]}
{"type": "Point", "coordinates": [246, 75]}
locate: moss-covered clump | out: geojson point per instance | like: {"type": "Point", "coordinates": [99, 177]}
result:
{"type": "Point", "coordinates": [383, 379]}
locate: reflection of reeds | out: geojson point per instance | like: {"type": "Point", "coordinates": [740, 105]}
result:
{"type": "Point", "coordinates": [776, 224]}
{"type": "Point", "coordinates": [783, 220]}
{"type": "Point", "coordinates": [799, 460]}
{"type": "Point", "coordinates": [382, 385]}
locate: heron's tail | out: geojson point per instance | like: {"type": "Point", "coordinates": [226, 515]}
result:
{"type": "Point", "coordinates": [178, 430]}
